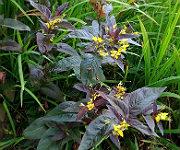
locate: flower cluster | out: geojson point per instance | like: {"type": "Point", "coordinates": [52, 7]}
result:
{"type": "Point", "coordinates": [119, 128]}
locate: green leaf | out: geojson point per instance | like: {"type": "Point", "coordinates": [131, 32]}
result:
{"type": "Point", "coordinates": [47, 141]}
{"type": "Point", "coordinates": [146, 51]}
{"type": "Point", "coordinates": [47, 144]}
{"type": "Point", "coordinates": [35, 130]}
{"type": "Point", "coordinates": [96, 130]}
{"type": "Point", "coordinates": [165, 81]}
{"type": "Point", "coordinates": [39, 126]}
{"type": "Point", "coordinates": [169, 94]}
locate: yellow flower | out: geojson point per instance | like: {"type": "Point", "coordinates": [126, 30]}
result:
{"type": "Point", "coordinates": [120, 91]}
{"type": "Point", "coordinates": [119, 128]}
{"type": "Point", "coordinates": [162, 116]}
{"type": "Point", "coordinates": [115, 53]}
{"type": "Point", "coordinates": [102, 53]}
{"type": "Point", "coordinates": [97, 39]}
{"type": "Point", "coordinates": [90, 105]}
{"type": "Point", "coordinates": [114, 26]}
{"type": "Point", "coordinates": [52, 23]}
{"type": "Point", "coordinates": [123, 31]}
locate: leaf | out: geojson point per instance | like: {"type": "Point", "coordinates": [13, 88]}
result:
{"type": "Point", "coordinates": [61, 118]}
{"type": "Point", "coordinates": [68, 63]}
{"type": "Point", "coordinates": [160, 126]}
{"type": "Point", "coordinates": [81, 87]}
{"type": "Point", "coordinates": [165, 81]}
{"type": "Point", "coordinates": [43, 42]}
{"type": "Point", "coordinates": [65, 24]}
{"type": "Point", "coordinates": [95, 26]}
{"type": "Point", "coordinates": [39, 126]}
{"type": "Point", "coordinates": [94, 132]}
{"type": "Point", "coordinates": [150, 122]}
{"type": "Point", "coordinates": [45, 2]}
{"type": "Point", "coordinates": [43, 9]}
{"type": "Point", "coordinates": [9, 45]}
{"type": "Point", "coordinates": [82, 34]}
{"type": "Point", "coordinates": [50, 138]}
{"type": "Point", "coordinates": [35, 130]}
{"type": "Point", "coordinates": [14, 24]}
{"type": "Point", "coordinates": [118, 108]}
{"type": "Point", "coordinates": [141, 127]}
{"type": "Point", "coordinates": [141, 98]}
{"type": "Point", "coordinates": [61, 107]}
{"type": "Point", "coordinates": [47, 144]}
{"type": "Point", "coordinates": [61, 8]}
{"type": "Point", "coordinates": [115, 140]}
{"type": "Point", "coordinates": [52, 91]}
{"type": "Point", "coordinates": [90, 70]}
{"type": "Point", "coordinates": [65, 48]}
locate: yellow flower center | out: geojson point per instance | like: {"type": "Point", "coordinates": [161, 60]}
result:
{"type": "Point", "coordinates": [90, 105]}
{"type": "Point", "coordinates": [120, 91]}
{"type": "Point", "coordinates": [162, 116]}
{"type": "Point", "coordinates": [123, 31]}
{"type": "Point", "coordinates": [103, 53]}
{"type": "Point", "coordinates": [119, 128]}
{"type": "Point", "coordinates": [52, 23]}
{"type": "Point", "coordinates": [123, 47]}
{"type": "Point", "coordinates": [97, 39]}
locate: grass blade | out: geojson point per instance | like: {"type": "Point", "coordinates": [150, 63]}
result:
{"type": "Point", "coordinates": [21, 77]}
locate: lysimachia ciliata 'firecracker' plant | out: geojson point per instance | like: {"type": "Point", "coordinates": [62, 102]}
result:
{"type": "Point", "coordinates": [106, 111]}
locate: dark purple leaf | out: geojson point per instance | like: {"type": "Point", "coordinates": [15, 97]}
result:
{"type": "Point", "coordinates": [43, 26]}
{"type": "Point", "coordinates": [117, 105]}
{"type": "Point", "coordinates": [160, 126]}
{"type": "Point", "coordinates": [66, 25]}
{"type": "Point", "coordinates": [63, 47]}
{"type": "Point", "coordinates": [115, 113]}
{"type": "Point", "coordinates": [95, 132]}
{"type": "Point", "coordinates": [141, 127]}
{"type": "Point", "coordinates": [127, 36]}
{"type": "Point", "coordinates": [95, 26]}
{"type": "Point", "coordinates": [83, 110]}
{"type": "Point", "coordinates": [142, 98]}
{"type": "Point", "coordinates": [9, 45]}
{"type": "Point", "coordinates": [61, 8]}
{"type": "Point", "coordinates": [150, 122]}
{"type": "Point", "coordinates": [81, 34]}
{"type": "Point", "coordinates": [81, 87]}
{"type": "Point", "coordinates": [43, 42]}
{"type": "Point", "coordinates": [120, 64]}
{"type": "Point", "coordinates": [133, 42]}
{"type": "Point", "coordinates": [36, 72]}
{"type": "Point", "coordinates": [115, 140]}
{"type": "Point", "coordinates": [53, 91]}
{"type": "Point", "coordinates": [14, 24]}
{"type": "Point", "coordinates": [43, 9]}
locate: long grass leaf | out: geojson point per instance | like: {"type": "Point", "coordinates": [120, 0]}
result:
{"type": "Point", "coordinates": [21, 77]}
{"type": "Point", "coordinates": [20, 8]}
{"type": "Point", "coordinates": [146, 51]}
